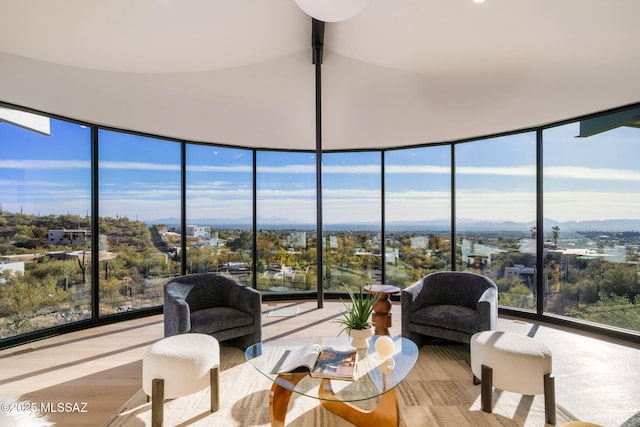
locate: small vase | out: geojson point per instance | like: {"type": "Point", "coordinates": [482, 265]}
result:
{"type": "Point", "coordinates": [360, 337]}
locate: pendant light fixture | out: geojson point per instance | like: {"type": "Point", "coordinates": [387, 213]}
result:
{"type": "Point", "coordinates": [332, 10]}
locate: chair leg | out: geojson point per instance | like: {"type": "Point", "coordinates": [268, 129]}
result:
{"type": "Point", "coordinates": [157, 402]}
{"type": "Point", "coordinates": [486, 390]}
{"type": "Point", "coordinates": [215, 388]}
{"type": "Point", "coordinates": [550, 399]}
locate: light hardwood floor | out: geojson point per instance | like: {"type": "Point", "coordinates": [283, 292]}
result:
{"type": "Point", "coordinates": [597, 380]}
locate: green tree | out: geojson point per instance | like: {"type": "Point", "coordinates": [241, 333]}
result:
{"type": "Point", "coordinates": [620, 279]}
{"type": "Point", "coordinates": [555, 233]}
{"type": "Point", "coordinates": [613, 310]}
{"type": "Point", "coordinates": [242, 242]}
{"type": "Point", "coordinates": [22, 297]}
{"type": "Point", "coordinates": [517, 296]}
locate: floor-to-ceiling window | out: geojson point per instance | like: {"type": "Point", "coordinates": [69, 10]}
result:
{"type": "Point", "coordinates": [496, 214]}
{"type": "Point", "coordinates": [588, 243]}
{"type": "Point", "coordinates": [219, 209]}
{"type": "Point", "coordinates": [592, 220]}
{"type": "Point", "coordinates": [351, 211]}
{"type": "Point", "coordinates": [139, 219]}
{"type": "Point", "coordinates": [417, 213]}
{"type": "Point", "coordinates": [45, 222]}
{"type": "Point", "coordinates": [286, 222]}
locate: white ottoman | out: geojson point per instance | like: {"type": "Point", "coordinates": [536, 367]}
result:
{"type": "Point", "coordinates": [179, 365]}
{"type": "Point", "coordinates": [515, 363]}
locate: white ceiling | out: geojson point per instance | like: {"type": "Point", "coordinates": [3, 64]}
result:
{"type": "Point", "coordinates": [239, 72]}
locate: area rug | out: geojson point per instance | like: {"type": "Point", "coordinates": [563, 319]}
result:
{"type": "Point", "coordinates": [438, 392]}
{"type": "Point", "coordinates": [21, 413]}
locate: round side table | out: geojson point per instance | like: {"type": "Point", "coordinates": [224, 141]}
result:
{"type": "Point", "coordinates": [381, 315]}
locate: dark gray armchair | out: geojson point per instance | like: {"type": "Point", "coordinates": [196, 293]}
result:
{"type": "Point", "coordinates": [452, 305]}
{"type": "Point", "coordinates": [215, 305]}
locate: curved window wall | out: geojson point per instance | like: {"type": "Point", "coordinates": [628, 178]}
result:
{"type": "Point", "coordinates": [496, 214]}
{"type": "Point", "coordinates": [351, 212]}
{"type": "Point", "coordinates": [417, 213]}
{"type": "Point", "coordinates": [139, 219]}
{"type": "Point", "coordinates": [592, 228]}
{"type": "Point", "coordinates": [45, 223]}
{"type": "Point", "coordinates": [168, 207]}
{"type": "Point", "coordinates": [219, 206]}
{"type": "Point", "coordinates": [286, 222]}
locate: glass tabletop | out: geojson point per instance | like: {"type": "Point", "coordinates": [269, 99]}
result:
{"type": "Point", "coordinates": [375, 375]}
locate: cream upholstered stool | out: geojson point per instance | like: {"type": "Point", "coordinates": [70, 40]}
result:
{"type": "Point", "coordinates": [180, 365]}
{"type": "Point", "coordinates": [515, 363]}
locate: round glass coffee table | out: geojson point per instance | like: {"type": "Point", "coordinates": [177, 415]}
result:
{"type": "Point", "coordinates": [375, 376]}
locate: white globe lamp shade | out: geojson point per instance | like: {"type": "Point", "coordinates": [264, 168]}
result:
{"type": "Point", "coordinates": [384, 346]}
{"type": "Point", "coordinates": [332, 10]}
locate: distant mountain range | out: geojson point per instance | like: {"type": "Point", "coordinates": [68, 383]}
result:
{"type": "Point", "coordinates": [610, 225]}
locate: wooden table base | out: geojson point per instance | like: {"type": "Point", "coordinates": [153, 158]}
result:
{"type": "Point", "coordinates": [386, 414]}
{"type": "Point", "coordinates": [279, 399]}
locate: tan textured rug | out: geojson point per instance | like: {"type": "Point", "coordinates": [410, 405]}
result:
{"type": "Point", "coordinates": [438, 392]}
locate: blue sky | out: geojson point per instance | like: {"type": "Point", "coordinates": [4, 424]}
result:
{"type": "Point", "coordinates": [585, 178]}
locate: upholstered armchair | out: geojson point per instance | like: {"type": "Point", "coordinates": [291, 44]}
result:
{"type": "Point", "coordinates": [452, 305]}
{"type": "Point", "coordinates": [215, 305]}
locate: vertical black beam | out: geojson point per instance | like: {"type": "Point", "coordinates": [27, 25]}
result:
{"type": "Point", "coordinates": [254, 249]}
{"type": "Point", "coordinates": [454, 236]}
{"type": "Point", "coordinates": [183, 208]}
{"type": "Point", "coordinates": [317, 45]}
{"type": "Point", "coordinates": [539, 228]}
{"type": "Point", "coordinates": [95, 228]}
{"type": "Point", "coordinates": [383, 247]}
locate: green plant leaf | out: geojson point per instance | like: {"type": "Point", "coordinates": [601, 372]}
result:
{"type": "Point", "coordinates": [357, 315]}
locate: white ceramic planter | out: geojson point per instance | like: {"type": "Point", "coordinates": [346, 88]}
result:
{"type": "Point", "coordinates": [360, 337]}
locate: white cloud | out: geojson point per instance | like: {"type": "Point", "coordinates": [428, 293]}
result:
{"type": "Point", "coordinates": [224, 168]}
{"type": "Point", "coordinates": [287, 169]}
{"type": "Point", "coordinates": [353, 169]}
{"type": "Point", "coordinates": [33, 185]}
{"type": "Point", "coordinates": [500, 171]}
{"type": "Point", "coordinates": [599, 174]}
{"type": "Point", "coordinates": [45, 164]}
{"type": "Point", "coordinates": [417, 169]}
{"type": "Point", "coordinates": [496, 206]}
{"type": "Point", "coordinates": [138, 166]}
{"type": "Point", "coordinates": [297, 194]}
{"type": "Point", "coordinates": [590, 205]}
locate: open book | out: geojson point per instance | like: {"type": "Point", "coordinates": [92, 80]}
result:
{"type": "Point", "coordinates": [319, 362]}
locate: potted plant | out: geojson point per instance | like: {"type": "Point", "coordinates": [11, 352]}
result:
{"type": "Point", "coordinates": [356, 319]}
